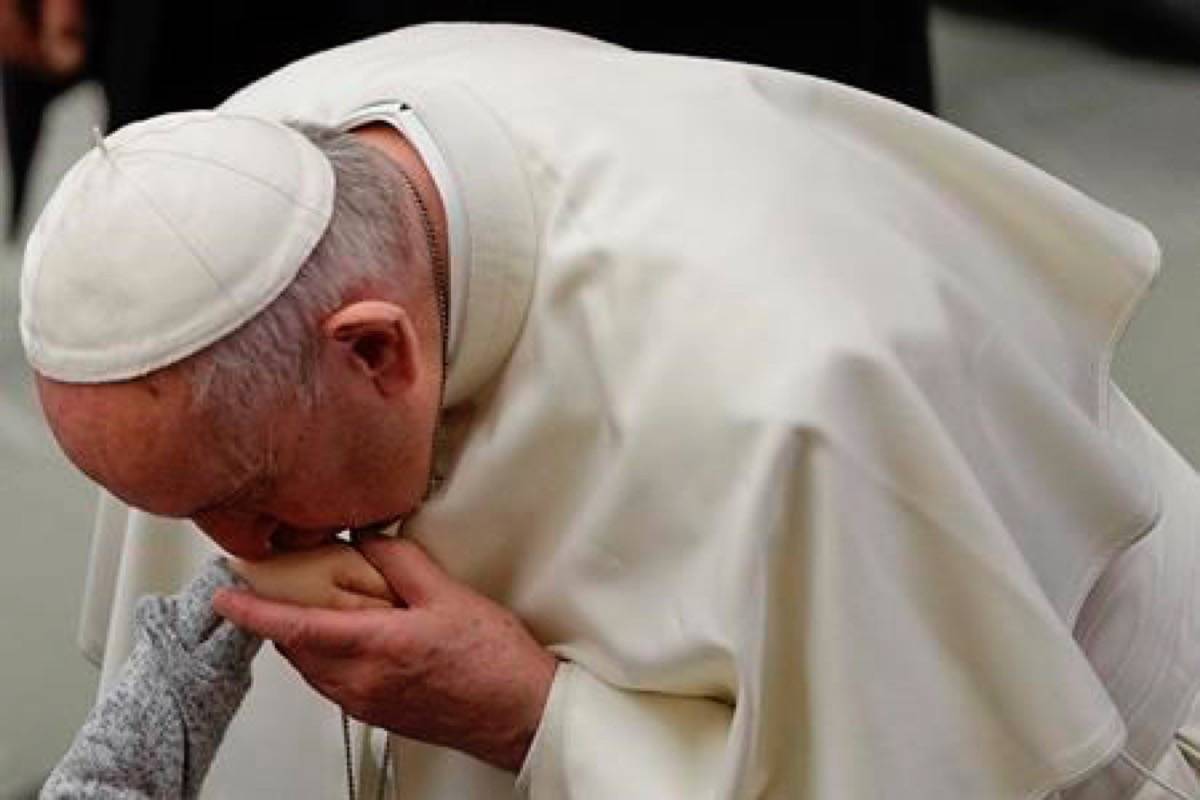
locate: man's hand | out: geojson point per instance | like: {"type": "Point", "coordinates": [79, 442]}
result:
{"type": "Point", "coordinates": [452, 668]}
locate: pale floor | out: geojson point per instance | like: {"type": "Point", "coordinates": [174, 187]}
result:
{"type": "Point", "coordinates": [1124, 130]}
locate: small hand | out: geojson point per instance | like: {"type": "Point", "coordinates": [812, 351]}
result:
{"type": "Point", "coordinates": [331, 576]}
{"type": "Point", "coordinates": [452, 668]}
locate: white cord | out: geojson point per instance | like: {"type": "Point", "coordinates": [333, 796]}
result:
{"type": "Point", "coordinates": [1150, 776]}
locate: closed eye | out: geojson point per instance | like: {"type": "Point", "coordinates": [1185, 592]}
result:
{"type": "Point", "coordinates": [247, 494]}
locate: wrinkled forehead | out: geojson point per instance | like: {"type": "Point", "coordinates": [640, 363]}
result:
{"type": "Point", "coordinates": [141, 439]}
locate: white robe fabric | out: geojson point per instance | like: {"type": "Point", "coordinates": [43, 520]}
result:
{"type": "Point", "coordinates": [783, 416]}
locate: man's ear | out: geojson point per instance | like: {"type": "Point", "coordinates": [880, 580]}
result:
{"type": "Point", "coordinates": [379, 340]}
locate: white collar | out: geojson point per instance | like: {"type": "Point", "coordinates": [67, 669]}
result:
{"type": "Point", "coordinates": [490, 220]}
{"type": "Point", "coordinates": [408, 122]}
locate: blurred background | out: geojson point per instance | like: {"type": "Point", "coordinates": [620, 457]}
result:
{"type": "Point", "coordinates": [1105, 95]}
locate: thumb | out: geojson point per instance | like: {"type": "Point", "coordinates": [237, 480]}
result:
{"type": "Point", "coordinates": [411, 574]}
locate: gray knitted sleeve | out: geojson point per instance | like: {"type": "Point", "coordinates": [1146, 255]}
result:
{"type": "Point", "coordinates": [156, 730]}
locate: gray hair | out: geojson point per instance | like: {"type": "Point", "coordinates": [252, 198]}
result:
{"type": "Point", "coordinates": [370, 242]}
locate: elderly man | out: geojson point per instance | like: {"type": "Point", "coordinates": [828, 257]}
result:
{"type": "Point", "coordinates": [763, 428]}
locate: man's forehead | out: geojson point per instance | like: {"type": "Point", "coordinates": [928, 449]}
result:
{"type": "Point", "coordinates": [56, 394]}
{"type": "Point", "coordinates": [142, 440]}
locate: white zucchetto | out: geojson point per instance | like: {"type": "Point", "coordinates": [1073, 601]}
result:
{"type": "Point", "coordinates": [165, 237]}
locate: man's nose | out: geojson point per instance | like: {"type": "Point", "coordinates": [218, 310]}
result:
{"type": "Point", "coordinates": [246, 536]}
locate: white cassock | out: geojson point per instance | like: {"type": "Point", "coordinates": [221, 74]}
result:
{"type": "Point", "coordinates": [787, 424]}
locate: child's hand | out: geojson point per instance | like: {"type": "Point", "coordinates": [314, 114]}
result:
{"type": "Point", "coordinates": [331, 576]}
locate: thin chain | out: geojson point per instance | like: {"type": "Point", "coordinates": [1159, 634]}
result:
{"type": "Point", "coordinates": [441, 288]}
{"type": "Point", "coordinates": [441, 277]}
{"type": "Point", "coordinates": [350, 791]}
{"type": "Point", "coordinates": [381, 784]}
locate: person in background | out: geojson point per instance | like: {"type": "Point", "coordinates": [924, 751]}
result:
{"type": "Point", "coordinates": [152, 56]}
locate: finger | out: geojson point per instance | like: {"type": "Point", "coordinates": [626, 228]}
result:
{"type": "Point", "coordinates": [353, 600]}
{"type": "Point", "coordinates": [297, 627]}
{"type": "Point", "coordinates": [356, 575]}
{"type": "Point", "coordinates": [413, 576]}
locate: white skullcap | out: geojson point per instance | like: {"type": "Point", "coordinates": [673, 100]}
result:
{"type": "Point", "coordinates": [166, 237]}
